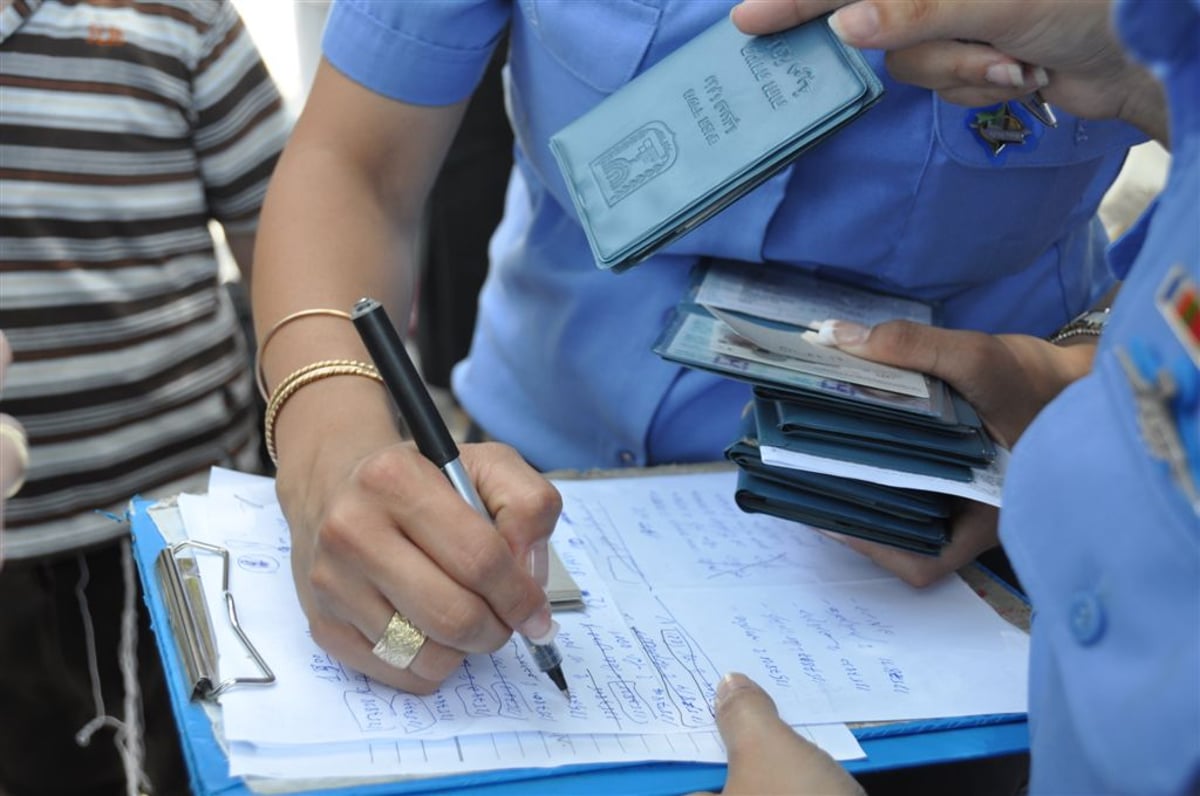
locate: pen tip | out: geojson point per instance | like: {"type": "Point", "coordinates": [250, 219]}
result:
{"type": "Point", "coordinates": [556, 675]}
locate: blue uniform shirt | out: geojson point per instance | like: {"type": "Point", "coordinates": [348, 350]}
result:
{"type": "Point", "coordinates": [1104, 538]}
{"type": "Point", "coordinates": [905, 200]}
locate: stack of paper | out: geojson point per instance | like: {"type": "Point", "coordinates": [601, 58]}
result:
{"type": "Point", "coordinates": [833, 638]}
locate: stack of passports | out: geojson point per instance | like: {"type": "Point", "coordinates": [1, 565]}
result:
{"type": "Point", "coordinates": [911, 519]}
{"type": "Point", "coordinates": [801, 406]}
{"type": "Point", "coordinates": [702, 127]}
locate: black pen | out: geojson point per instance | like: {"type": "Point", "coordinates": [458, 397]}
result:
{"type": "Point", "coordinates": [431, 435]}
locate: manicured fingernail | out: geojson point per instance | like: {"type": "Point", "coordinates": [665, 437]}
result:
{"type": "Point", "coordinates": [1005, 75]}
{"type": "Point", "coordinates": [539, 563]}
{"type": "Point", "coordinates": [729, 685]}
{"type": "Point", "coordinates": [841, 333]}
{"type": "Point", "coordinates": [540, 628]}
{"type": "Point", "coordinates": [1041, 77]}
{"type": "Point", "coordinates": [855, 24]}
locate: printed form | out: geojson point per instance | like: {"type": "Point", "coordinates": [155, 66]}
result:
{"type": "Point", "coordinates": [680, 587]}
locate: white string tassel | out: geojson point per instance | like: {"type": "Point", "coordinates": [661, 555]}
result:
{"type": "Point", "coordinates": [127, 735]}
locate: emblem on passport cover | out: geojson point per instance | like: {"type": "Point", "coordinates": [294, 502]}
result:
{"type": "Point", "coordinates": [635, 160]}
{"type": "Point", "coordinates": [702, 127]}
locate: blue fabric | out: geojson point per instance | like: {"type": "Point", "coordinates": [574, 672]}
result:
{"type": "Point", "coordinates": [906, 199]}
{"type": "Point", "coordinates": [1101, 535]}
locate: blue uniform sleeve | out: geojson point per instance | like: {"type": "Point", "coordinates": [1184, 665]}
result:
{"type": "Point", "coordinates": [425, 52]}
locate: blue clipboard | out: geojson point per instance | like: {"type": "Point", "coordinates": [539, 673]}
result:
{"type": "Point", "coordinates": [888, 746]}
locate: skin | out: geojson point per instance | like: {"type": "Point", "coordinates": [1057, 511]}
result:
{"type": "Point", "coordinates": [765, 756]}
{"type": "Point", "coordinates": [375, 527]}
{"type": "Point", "coordinates": [966, 50]}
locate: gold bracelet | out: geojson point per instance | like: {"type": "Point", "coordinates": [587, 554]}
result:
{"type": "Point", "coordinates": [260, 375]}
{"type": "Point", "coordinates": [21, 443]}
{"type": "Point", "coordinates": [302, 378]}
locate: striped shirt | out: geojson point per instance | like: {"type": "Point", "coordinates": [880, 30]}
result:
{"type": "Point", "coordinates": [125, 127]}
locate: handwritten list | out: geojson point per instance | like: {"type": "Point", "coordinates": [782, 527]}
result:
{"type": "Point", "coordinates": [680, 587]}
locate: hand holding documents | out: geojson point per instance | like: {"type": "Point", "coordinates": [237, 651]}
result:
{"type": "Point", "coordinates": [833, 440]}
{"type": "Point", "coordinates": [833, 638]}
{"type": "Point", "coordinates": [701, 128]}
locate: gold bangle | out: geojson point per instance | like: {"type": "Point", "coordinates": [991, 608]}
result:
{"type": "Point", "coordinates": [21, 443]}
{"type": "Point", "coordinates": [302, 378]}
{"type": "Point", "coordinates": [260, 375]}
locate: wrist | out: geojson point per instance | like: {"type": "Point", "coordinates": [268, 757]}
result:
{"type": "Point", "coordinates": [326, 429]}
{"type": "Point", "coordinates": [1145, 106]}
{"type": "Point", "coordinates": [1075, 360]}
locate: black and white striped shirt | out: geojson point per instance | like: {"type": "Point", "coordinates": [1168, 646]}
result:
{"type": "Point", "coordinates": [125, 126]}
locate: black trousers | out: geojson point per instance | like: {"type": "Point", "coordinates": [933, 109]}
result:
{"type": "Point", "coordinates": [46, 693]}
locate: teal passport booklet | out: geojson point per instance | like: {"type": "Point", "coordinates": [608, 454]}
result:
{"type": "Point", "coordinates": [701, 128]}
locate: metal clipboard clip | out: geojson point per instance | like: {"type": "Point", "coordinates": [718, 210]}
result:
{"type": "Point", "coordinates": [190, 623]}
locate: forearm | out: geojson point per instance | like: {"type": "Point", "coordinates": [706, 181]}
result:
{"type": "Point", "coordinates": [326, 239]}
{"type": "Point", "coordinates": [340, 218]}
{"type": "Point", "coordinates": [339, 223]}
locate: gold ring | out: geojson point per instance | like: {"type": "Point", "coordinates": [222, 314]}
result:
{"type": "Point", "coordinates": [400, 643]}
{"type": "Point", "coordinates": [21, 444]}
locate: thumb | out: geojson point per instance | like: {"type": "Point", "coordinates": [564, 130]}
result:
{"type": "Point", "coordinates": [897, 25]}
{"type": "Point", "coordinates": [765, 754]}
{"type": "Point", "coordinates": [757, 17]}
{"type": "Point", "coordinates": [952, 355]}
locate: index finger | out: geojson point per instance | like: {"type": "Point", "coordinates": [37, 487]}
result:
{"type": "Point", "coordinates": [758, 17]}
{"type": "Point", "coordinates": [464, 545]}
{"type": "Point", "coordinates": [898, 24]}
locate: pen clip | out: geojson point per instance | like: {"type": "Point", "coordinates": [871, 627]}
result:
{"type": "Point", "coordinates": [1039, 108]}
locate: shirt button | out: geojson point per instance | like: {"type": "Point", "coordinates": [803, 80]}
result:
{"type": "Point", "coordinates": [626, 458]}
{"type": "Point", "coordinates": [1087, 618]}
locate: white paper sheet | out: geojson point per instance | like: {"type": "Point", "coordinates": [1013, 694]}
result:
{"type": "Point", "coordinates": [835, 636]}
{"type": "Point", "coordinates": [681, 587]}
{"type": "Point", "coordinates": [797, 349]}
{"type": "Point", "coordinates": [985, 486]}
{"type": "Point", "coordinates": [501, 751]}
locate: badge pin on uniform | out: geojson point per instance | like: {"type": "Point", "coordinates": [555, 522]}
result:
{"type": "Point", "coordinates": [1178, 299]}
{"type": "Point", "coordinates": [1155, 398]}
{"type": "Point", "coordinates": [1001, 126]}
